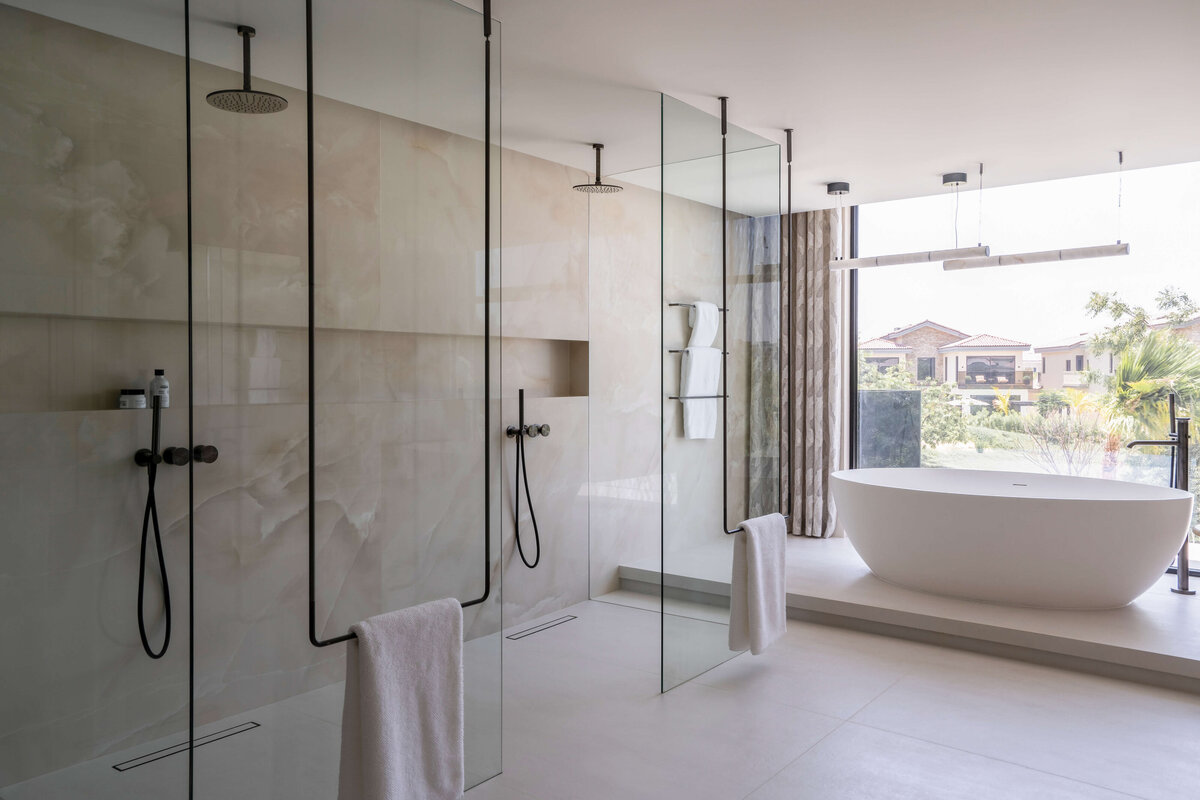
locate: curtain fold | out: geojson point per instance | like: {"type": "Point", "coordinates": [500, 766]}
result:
{"type": "Point", "coordinates": [816, 348]}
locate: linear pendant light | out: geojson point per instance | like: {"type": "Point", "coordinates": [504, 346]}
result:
{"type": "Point", "coordinates": [962, 254]}
{"type": "Point", "coordinates": [952, 179]}
{"type": "Point", "coordinates": [1072, 254]}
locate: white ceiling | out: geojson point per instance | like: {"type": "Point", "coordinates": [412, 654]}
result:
{"type": "Point", "coordinates": [885, 94]}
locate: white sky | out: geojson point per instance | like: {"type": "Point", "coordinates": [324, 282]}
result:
{"type": "Point", "coordinates": [1038, 303]}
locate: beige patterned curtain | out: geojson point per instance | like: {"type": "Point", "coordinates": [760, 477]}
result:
{"type": "Point", "coordinates": [818, 299]}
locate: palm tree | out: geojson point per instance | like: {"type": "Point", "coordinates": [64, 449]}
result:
{"type": "Point", "coordinates": [1002, 402]}
{"type": "Point", "coordinates": [1146, 374]}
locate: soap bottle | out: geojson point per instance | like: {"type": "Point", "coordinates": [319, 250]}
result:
{"type": "Point", "coordinates": [159, 387]}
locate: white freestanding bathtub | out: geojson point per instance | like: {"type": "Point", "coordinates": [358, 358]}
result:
{"type": "Point", "coordinates": [1049, 541]}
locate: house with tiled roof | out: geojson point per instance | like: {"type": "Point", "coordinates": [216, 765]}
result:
{"type": "Point", "coordinates": [913, 346]}
{"type": "Point", "coordinates": [1067, 362]}
{"type": "Point", "coordinates": [985, 363]}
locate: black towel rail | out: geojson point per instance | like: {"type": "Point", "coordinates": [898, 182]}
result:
{"type": "Point", "coordinates": [691, 305]}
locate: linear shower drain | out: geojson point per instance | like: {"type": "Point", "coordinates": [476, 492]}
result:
{"type": "Point", "coordinates": [183, 746]}
{"type": "Point", "coordinates": [545, 626]}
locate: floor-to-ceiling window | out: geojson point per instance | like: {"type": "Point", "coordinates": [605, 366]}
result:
{"type": "Point", "coordinates": [1049, 367]}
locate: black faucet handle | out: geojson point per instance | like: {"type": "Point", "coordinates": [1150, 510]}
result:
{"type": "Point", "coordinates": [177, 456]}
{"type": "Point", "coordinates": [145, 457]}
{"type": "Point", "coordinates": [205, 453]}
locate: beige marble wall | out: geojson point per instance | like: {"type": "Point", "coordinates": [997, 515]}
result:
{"type": "Point", "coordinates": [93, 295]}
{"type": "Point", "coordinates": [625, 459]}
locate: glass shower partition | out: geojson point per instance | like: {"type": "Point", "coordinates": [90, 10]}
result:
{"type": "Point", "coordinates": [391, 349]}
{"type": "Point", "coordinates": [720, 244]}
{"type": "Point", "coordinates": [93, 298]}
{"type": "Point", "coordinates": [380, 344]}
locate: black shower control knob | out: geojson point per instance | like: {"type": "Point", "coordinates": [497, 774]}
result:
{"type": "Point", "coordinates": [177, 456]}
{"type": "Point", "coordinates": [544, 430]}
{"type": "Point", "coordinates": [532, 431]}
{"type": "Point", "coordinates": [205, 453]}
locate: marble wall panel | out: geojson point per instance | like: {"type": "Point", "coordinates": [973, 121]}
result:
{"type": "Point", "coordinates": [93, 201]}
{"type": "Point", "coordinates": [545, 249]}
{"type": "Point", "coordinates": [625, 359]}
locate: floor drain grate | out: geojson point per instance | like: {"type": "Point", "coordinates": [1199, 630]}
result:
{"type": "Point", "coordinates": [183, 746]}
{"type": "Point", "coordinates": [545, 626]}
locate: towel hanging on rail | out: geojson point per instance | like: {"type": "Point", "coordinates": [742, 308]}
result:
{"type": "Point", "coordinates": [402, 721]}
{"type": "Point", "coordinates": [700, 376]}
{"type": "Point", "coordinates": [704, 319]}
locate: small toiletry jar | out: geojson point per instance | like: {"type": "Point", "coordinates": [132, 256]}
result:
{"type": "Point", "coordinates": [132, 398]}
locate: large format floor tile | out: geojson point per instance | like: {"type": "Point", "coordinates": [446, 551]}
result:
{"type": "Point", "coordinates": [826, 713]}
{"type": "Point", "coordinates": [859, 763]}
{"type": "Point", "coordinates": [1122, 736]}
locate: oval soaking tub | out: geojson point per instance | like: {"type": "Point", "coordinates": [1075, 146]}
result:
{"type": "Point", "coordinates": [1049, 541]}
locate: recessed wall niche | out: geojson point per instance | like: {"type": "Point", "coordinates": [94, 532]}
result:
{"type": "Point", "coordinates": [545, 367]}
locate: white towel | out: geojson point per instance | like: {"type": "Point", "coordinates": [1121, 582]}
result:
{"type": "Point", "coordinates": [700, 376]}
{"type": "Point", "coordinates": [704, 318]}
{"type": "Point", "coordinates": [758, 597]}
{"type": "Point", "coordinates": [402, 722]}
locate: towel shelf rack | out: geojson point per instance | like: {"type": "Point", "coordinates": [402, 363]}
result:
{"type": "Point", "coordinates": [724, 353]}
{"type": "Point", "coordinates": [691, 305]}
{"type": "Point", "coordinates": [698, 397]}
{"type": "Point", "coordinates": [487, 332]}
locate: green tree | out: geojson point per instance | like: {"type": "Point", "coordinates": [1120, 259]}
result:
{"type": "Point", "coordinates": [1065, 444]}
{"type": "Point", "coordinates": [941, 416]}
{"type": "Point", "coordinates": [1131, 324]}
{"type": "Point", "coordinates": [1051, 401]}
{"type": "Point", "coordinates": [871, 377]}
{"type": "Point", "coordinates": [1145, 374]}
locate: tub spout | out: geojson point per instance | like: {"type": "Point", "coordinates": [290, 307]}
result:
{"type": "Point", "coordinates": [1152, 443]}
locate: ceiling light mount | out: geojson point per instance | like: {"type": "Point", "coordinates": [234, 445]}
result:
{"type": "Point", "coordinates": [954, 179]}
{"type": "Point", "coordinates": [837, 188]}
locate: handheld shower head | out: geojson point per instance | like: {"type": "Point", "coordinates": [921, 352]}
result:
{"type": "Point", "coordinates": [598, 187]}
{"type": "Point", "coordinates": [246, 100]}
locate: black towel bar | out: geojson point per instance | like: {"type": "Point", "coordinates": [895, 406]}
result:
{"type": "Point", "coordinates": [690, 305]}
{"type": "Point", "coordinates": [739, 527]}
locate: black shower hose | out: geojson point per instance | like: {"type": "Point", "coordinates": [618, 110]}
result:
{"type": "Point", "coordinates": [151, 516]}
{"type": "Point", "coordinates": [522, 475]}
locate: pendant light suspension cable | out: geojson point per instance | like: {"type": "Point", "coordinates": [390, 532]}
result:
{"type": "Point", "coordinates": [980, 231]}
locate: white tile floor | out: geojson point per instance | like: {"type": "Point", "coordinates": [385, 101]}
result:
{"type": "Point", "coordinates": [827, 713]}
{"type": "Point", "coordinates": [292, 755]}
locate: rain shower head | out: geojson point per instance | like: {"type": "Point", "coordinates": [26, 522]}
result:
{"type": "Point", "coordinates": [246, 100]}
{"type": "Point", "coordinates": [598, 187]}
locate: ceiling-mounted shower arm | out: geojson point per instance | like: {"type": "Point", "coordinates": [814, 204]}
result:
{"type": "Point", "coordinates": [597, 148]}
{"type": "Point", "coordinates": [247, 33]}
{"type": "Point", "coordinates": [245, 100]}
{"type": "Point", "coordinates": [599, 186]}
